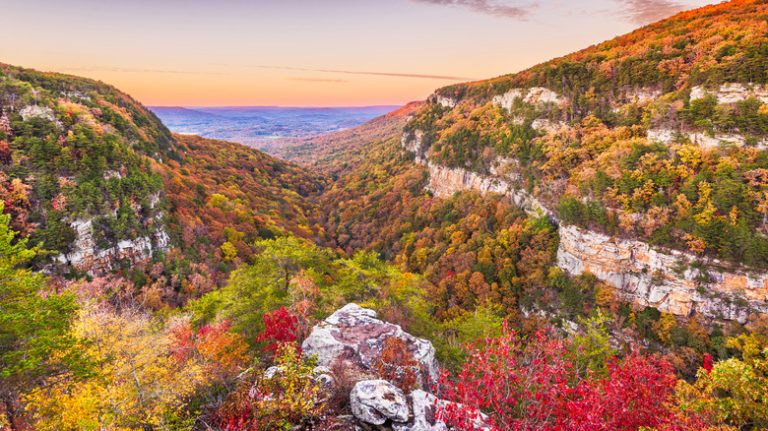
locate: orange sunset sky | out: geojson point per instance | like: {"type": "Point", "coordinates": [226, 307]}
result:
{"type": "Point", "coordinates": [305, 52]}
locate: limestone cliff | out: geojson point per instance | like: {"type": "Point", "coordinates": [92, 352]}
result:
{"type": "Point", "coordinates": [669, 280]}
{"type": "Point", "coordinates": [86, 254]}
{"type": "Point", "coordinates": [445, 181]}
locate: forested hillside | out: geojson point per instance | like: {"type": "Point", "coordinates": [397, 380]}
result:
{"type": "Point", "coordinates": [97, 181]}
{"type": "Point", "coordinates": [658, 134]}
{"type": "Point", "coordinates": [76, 163]}
{"type": "Point", "coordinates": [336, 152]}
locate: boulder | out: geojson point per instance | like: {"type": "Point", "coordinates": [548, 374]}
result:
{"type": "Point", "coordinates": [354, 337]}
{"type": "Point", "coordinates": [425, 407]}
{"type": "Point", "coordinates": [376, 401]}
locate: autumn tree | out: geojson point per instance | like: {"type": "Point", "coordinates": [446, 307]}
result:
{"type": "Point", "coordinates": [34, 323]}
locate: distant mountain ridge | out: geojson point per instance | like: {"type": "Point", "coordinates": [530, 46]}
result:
{"type": "Point", "coordinates": [265, 127]}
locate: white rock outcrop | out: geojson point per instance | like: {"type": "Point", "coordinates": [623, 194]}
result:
{"type": "Point", "coordinates": [352, 337]}
{"type": "Point", "coordinates": [444, 182]}
{"type": "Point", "coordinates": [413, 142]}
{"type": "Point", "coordinates": [732, 92]}
{"type": "Point", "coordinates": [85, 254]}
{"type": "Point", "coordinates": [664, 279]}
{"type": "Point", "coordinates": [446, 102]}
{"type": "Point", "coordinates": [355, 336]}
{"type": "Point", "coordinates": [34, 111]}
{"type": "Point", "coordinates": [377, 401]}
{"type": "Point", "coordinates": [704, 140]}
{"type": "Point", "coordinates": [532, 96]}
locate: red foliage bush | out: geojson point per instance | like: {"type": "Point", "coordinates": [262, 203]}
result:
{"type": "Point", "coordinates": [280, 327]}
{"type": "Point", "coordinates": [534, 384]}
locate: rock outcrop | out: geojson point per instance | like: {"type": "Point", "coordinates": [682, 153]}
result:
{"type": "Point", "coordinates": [377, 401]}
{"type": "Point", "coordinates": [725, 94]}
{"type": "Point", "coordinates": [86, 255]}
{"type": "Point", "coordinates": [353, 335]}
{"type": "Point", "coordinates": [33, 111]}
{"type": "Point", "coordinates": [533, 96]}
{"type": "Point", "coordinates": [668, 280]}
{"type": "Point", "coordinates": [348, 342]}
{"type": "Point", "coordinates": [446, 102]}
{"type": "Point", "coordinates": [732, 92]}
{"type": "Point", "coordinates": [702, 139]}
{"type": "Point", "coordinates": [444, 182]}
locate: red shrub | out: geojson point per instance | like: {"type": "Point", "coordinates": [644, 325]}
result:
{"type": "Point", "coordinates": [533, 384]}
{"type": "Point", "coordinates": [280, 327]}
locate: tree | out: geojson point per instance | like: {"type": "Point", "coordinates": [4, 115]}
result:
{"type": "Point", "coordinates": [141, 382]}
{"type": "Point", "coordinates": [33, 323]}
{"type": "Point", "coordinates": [732, 392]}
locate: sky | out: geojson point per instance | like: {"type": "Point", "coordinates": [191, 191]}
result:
{"type": "Point", "coordinates": [305, 52]}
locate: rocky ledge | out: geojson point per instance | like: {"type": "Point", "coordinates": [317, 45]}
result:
{"type": "Point", "coordinates": [346, 346]}
{"type": "Point", "coordinates": [354, 337]}
{"type": "Point", "coordinates": [86, 255]}
{"type": "Point", "coordinates": [668, 280]}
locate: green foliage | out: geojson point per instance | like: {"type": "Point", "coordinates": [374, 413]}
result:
{"type": "Point", "coordinates": [313, 282]}
{"type": "Point", "coordinates": [33, 323]}
{"type": "Point", "coordinates": [591, 346]}
{"type": "Point", "coordinates": [734, 391]}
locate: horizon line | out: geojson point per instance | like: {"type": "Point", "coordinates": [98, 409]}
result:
{"type": "Point", "coordinates": [384, 105]}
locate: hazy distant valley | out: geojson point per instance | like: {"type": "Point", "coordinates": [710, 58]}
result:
{"type": "Point", "coordinates": [264, 126]}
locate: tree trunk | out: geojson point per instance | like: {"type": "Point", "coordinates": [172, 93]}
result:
{"type": "Point", "coordinates": [9, 401]}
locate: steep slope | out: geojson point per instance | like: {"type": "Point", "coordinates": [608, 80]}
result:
{"type": "Point", "coordinates": [649, 150]}
{"type": "Point", "coordinates": [96, 178]}
{"type": "Point", "coordinates": [224, 196]}
{"type": "Point", "coordinates": [76, 172]}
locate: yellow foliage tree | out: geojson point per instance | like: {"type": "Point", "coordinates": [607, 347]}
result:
{"type": "Point", "coordinates": [140, 384]}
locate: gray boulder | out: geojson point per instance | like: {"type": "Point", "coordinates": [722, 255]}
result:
{"type": "Point", "coordinates": [376, 401]}
{"type": "Point", "coordinates": [354, 337]}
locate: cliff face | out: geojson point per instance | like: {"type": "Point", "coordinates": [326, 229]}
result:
{"type": "Point", "coordinates": [658, 136]}
{"type": "Point", "coordinates": [445, 181]}
{"type": "Point", "coordinates": [669, 280]}
{"type": "Point", "coordinates": [87, 255]}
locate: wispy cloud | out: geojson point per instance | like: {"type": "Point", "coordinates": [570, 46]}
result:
{"type": "Point", "coordinates": [329, 80]}
{"type": "Point", "coordinates": [647, 11]}
{"type": "Point", "coordinates": [358, 72]}
{"type": "Point", "coordinates": [490, 7]}
{"type": "Point", "coordinates": [287, 68]}
{"type": "Point", "coordinates": [132, 70]}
